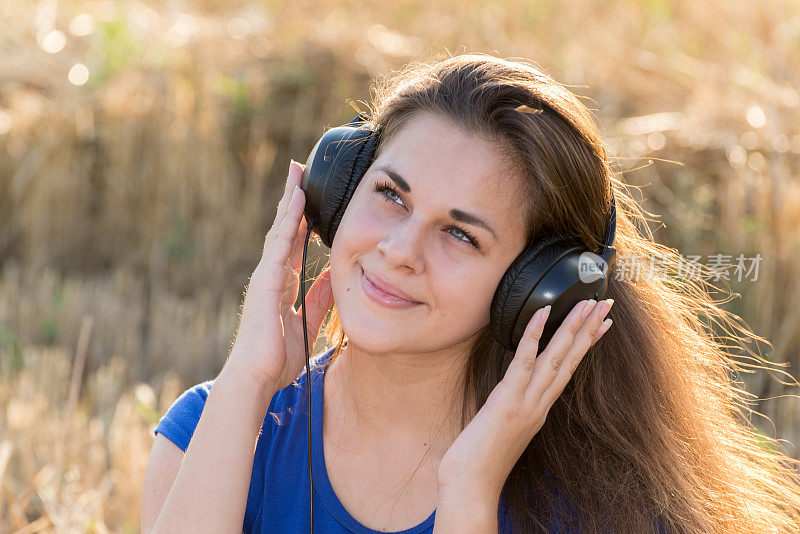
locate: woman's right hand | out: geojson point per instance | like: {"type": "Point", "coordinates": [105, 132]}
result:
{"type": "Point", "coordinates": [269, 343]}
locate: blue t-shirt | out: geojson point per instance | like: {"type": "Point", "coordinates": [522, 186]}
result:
{"type": "Point", "coordinates": [277, 501]}
{"type": "Point", "coordinates": [279, 483]}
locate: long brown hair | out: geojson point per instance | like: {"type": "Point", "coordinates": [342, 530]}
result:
{"type": "Point", "coordinates": [650, 429]}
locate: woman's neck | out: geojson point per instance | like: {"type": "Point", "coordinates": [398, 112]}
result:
{"type": "Point", "coordinates": [399, 397]}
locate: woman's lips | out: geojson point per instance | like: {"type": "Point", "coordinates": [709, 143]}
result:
{"type": "Point", "coordinates": [383, 298]}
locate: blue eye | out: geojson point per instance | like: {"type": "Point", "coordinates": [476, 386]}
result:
{"type": "Point", "coordinates": [470, 239]}
{"type": "Point", "coordinates": [390, 191]}
{"type": "Point", "coordinates": [386, 190]}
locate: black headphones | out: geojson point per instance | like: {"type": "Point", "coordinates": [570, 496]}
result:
{"type": "Point", "coordinates": [557, 270]}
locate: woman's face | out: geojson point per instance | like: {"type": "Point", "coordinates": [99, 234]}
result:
{"type": "Point", "coordinates": [424, 239]}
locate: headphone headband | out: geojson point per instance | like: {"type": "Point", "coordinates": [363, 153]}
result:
{"type": "Point", "coordinates": [609, 252]}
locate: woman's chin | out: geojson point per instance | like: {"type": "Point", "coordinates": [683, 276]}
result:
{"type": "Point", "coordinates": [366, 330]}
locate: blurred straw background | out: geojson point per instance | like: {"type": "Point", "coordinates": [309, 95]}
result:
{"type": "Point", "coordinates": [143, 147]}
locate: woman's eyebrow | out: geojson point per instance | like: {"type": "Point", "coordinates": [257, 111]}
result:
{"type": "Point", "coordinates": [457, 214]}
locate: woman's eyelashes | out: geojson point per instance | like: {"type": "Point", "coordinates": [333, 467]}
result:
{"type": "Point", "coordinates": [388, 192]}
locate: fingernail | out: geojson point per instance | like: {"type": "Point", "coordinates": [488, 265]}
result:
{"type": "Point", "coordinates": [606, 306]}
{"type": "Point", "coordinates": [545, 314]}
{"type": "Point", "coordinates": [606, 325]}
{"type": "Point", "coordinates": [588, 307]}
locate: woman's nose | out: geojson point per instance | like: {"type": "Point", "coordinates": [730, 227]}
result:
{"type": "Point", "coordinates": [403, 247]}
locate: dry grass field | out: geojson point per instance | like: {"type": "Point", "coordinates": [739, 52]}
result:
{"type": "Point", "coordinates": [143, 146]}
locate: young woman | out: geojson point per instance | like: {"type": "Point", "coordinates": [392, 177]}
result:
{"type": "Point", "coordinates": [421, 421]}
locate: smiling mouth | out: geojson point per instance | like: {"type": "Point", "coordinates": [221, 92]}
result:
{"type": "Point", "coordinates": [383, 298]}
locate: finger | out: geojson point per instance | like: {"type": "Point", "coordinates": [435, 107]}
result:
{"type": "Point", "coordinates": [288, 188]}
{"type": "Point", "coordinates": [550, 360]}
{"type": "Point", "coordinates": [603, 329]}
{"type": "Point", "coordinates": [296, 259]}
{"type": "Point", "coordinates": [518, 374]}
{"type": "Point", "coordinates": [318, 301]}
{"type": "Point", "coordinates": [274, 261]}
{"type": "Point", "coordinates": [580, 345]}
{"type": "Point", "coordinates": [293, 264]}
{"type": "Point", "coordinates": [293, 179]}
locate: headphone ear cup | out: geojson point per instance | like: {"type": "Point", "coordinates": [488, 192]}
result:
{"type": "Point", "coordinates": [521, 280]}
{"type": "Point", "coordinates": [336, 165]}
{"type": "Point", "coordinates": [346, 178]}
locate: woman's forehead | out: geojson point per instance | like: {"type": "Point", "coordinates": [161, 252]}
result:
{"type": "Point", "coordinates": [431, 148]}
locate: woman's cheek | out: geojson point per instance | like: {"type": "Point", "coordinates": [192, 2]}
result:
{"type": "Point", "coordinates": [373, 224]}
{"type": "Point", "coordinates": [469, 293]}
{"type": "Point", "coordinates": [378, 211]}
{"type": "Point", "coordinates": [356, 227]}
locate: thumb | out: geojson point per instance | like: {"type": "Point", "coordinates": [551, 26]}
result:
{"type": "Point", "coordinates": [318, 301]}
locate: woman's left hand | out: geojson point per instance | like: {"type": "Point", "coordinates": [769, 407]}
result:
{"type": "Point", "coordinates": [481, 458]}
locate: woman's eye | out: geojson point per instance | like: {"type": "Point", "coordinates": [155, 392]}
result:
{"type": "Point", "coordinates": [465, 238]}
{"type": "Point", "coordinates": [470, 240]}
{"type": "Point", "coordinates": [390, 194]}
{"type": "Point", "coordinates": [387, 192]}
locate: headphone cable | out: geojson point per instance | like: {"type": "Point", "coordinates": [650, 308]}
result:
{"type": "Point", "coordinates": [308, 379]}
